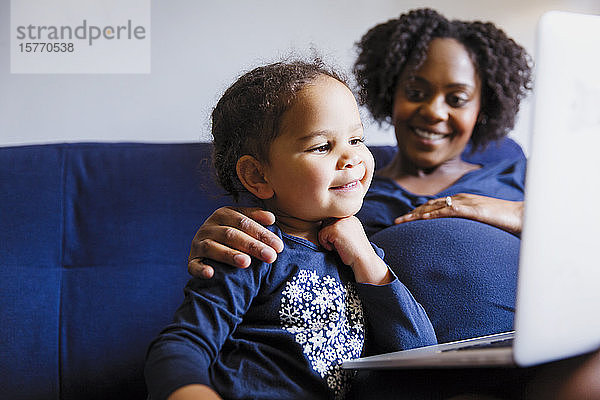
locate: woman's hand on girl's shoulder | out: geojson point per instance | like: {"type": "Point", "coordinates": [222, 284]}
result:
{"type": "Point", "coordinates": [231, 236]}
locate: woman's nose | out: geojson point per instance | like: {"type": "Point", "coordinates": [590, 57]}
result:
{"type": "Point", "coordinates": [434, 110]}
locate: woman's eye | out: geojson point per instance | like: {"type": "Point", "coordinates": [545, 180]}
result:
{"type": "Point", "coordinates": [415, 94]}
{"type": "Point", "coordinates": [457, 100]}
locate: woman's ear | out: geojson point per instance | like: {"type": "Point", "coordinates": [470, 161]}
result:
{"type": "Point", "coordinates": [250, 171]}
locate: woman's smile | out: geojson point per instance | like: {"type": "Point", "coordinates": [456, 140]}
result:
{"type": "Point", "coordinates": [429, 134]}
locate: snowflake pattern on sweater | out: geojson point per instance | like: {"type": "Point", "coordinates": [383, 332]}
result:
{"type": "Point", "coordinates": [326, 319]}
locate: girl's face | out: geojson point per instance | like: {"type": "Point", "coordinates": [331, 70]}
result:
{"type": "Point", "coordinates": [435, 109]}
{"type": "Point", "coordinates": [319, 166]}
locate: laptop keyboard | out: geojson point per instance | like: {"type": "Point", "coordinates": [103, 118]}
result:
{"type": "Point", "coordinates": [489, 345]}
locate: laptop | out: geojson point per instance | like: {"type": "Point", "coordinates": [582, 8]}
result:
{"type": "Point", "coordinates": [558, 290]}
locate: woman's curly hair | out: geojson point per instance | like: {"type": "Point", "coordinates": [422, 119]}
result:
{"type": "Point", "coordinates": [503, 66]}
{"type": "Point", "coordinates": [246, 119]}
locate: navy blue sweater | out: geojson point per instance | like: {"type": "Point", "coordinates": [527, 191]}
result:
{"type": "Point", "coordinates": [282, 330]}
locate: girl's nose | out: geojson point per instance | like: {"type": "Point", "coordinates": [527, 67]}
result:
{"type": "Point", "coordinates": [349, 159]}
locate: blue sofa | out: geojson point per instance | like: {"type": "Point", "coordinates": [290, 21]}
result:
{"type": "Point", "coordinates": [94, 239]}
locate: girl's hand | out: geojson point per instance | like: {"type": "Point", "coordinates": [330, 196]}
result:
{"type": "Point", "coordinates": [231, 235]}
{"type": "Point", "coordinates": [347, 237]}
{"type": "Point", "coordinates": [504, 214]}
{"type": "Point", "coordinates": [194, 392]}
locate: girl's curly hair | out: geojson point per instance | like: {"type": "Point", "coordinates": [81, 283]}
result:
{"type": "Point", "coordinates": [503, 66]}
{"type": "Point", "coordinates": [246, 119]}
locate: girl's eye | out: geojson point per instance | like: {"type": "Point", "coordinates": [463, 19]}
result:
{"type": "Point", "coordinates": [320, 149]}
{"type": "Point", "coordinates": [357, 141]}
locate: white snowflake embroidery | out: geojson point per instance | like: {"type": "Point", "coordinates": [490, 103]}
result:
{"type": "Point", "coordinates": [328, 324]}
{"type": "Point", "coordinates": [307, 296]}
{"type": "Point", "coordinates": [329, 281]}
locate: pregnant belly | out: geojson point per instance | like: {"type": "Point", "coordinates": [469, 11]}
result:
{"type": "Point", "coordinates": [463, 272]}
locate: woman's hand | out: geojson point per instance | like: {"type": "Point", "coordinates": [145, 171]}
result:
{"type": "Point", "coordinates": [504, 214]}
{"type": "Point", "coordinates": [231, 235]}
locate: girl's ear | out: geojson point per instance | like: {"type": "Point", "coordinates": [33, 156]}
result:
{"type": "Point", "coordinates": [250, 171]}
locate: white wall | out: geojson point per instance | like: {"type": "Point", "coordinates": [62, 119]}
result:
{"type": "Point", "coordinates": [200, 47]}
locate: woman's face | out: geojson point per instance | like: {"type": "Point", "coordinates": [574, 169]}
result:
{"type": "Point", "coordinates": [436, 107]}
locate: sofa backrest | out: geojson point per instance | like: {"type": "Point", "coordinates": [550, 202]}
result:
{"type": "Point", "coordinates": [93, 252]}
{"type": "Point", "coordinates": [94, 239]}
